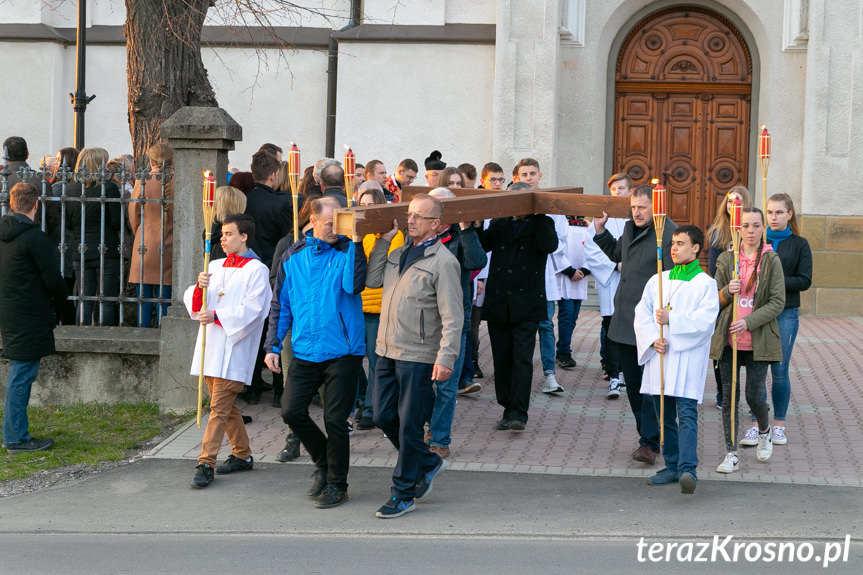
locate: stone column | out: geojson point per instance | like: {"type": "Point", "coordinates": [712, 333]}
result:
{"type": "Point", "coordinates": [527, 65]}
{"type": "Point", "coordinates": [201, 139]}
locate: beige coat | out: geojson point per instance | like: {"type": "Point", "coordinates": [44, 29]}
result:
{"type": "Point", "coordinates": [422, 311]}
{"type": "Point", "coordinates": [152, 233]}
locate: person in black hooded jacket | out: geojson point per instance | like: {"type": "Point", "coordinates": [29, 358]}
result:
{"type": "Point", "coordinates": [32, 292]}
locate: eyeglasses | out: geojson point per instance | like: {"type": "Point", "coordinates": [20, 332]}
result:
{"type": "Point", "coordinates": [497, 180]}
{"type": "Point", "coordinates": [408, 178]}
{"type": "Point", "coordinates": [419, 217]}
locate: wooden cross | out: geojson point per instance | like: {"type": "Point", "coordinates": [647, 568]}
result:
{"type": "Point", "coordinates": [472, 205]}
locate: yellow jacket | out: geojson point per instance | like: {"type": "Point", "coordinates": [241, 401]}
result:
{"type": "Point", "coordinates": [372, 296]}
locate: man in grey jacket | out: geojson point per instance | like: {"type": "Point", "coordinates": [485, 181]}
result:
{"type": "Point", "coordinates": [635, 251]}
{"type": "Point", "coordinates": [418, 343]}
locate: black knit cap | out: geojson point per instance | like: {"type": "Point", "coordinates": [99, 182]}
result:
{"type": "Point", "coordinates": [433, 162]}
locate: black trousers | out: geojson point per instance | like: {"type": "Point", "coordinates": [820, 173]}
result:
{"type": "Point", "coordinates": [646, 419]}
{"type": "Point", "coordinates": [331, 452]}
{"type": "Point", "coordinates": [512, 347]}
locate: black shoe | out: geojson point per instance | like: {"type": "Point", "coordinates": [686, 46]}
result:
{"type": "Point", "coordinates": [247, 419]}
{"type": "Point", "coordinates": [277, 400]}
{"type": "Point", "coordinates": [332, 496]}
{"type": "Point", "coordinates": [291, 450]}
{"type": "Point", "coordinates": [203, 476]}
{"type": "Point", "coordinates": [516, 425]}
{"type": "Point", "coordinates": [250, 397]}
{"type": "Point", "coordinates": [565, 361]}
{"type": "Point", "coordinates": [477, 372]}
{"type": "Point", "coordinates": [503, 424]}
{"type": "Point", "coordinates": [233, 464]}
{"type": "Point", "coordinates": [365, 423]}
{"type": "Point", "coordinates": [319, 482]}
{"type": "Point", "coordinates": [316, 399]}
{"type": "Point", "coordinates": [31, 444]}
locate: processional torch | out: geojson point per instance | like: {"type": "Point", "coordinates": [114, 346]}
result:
{"type": "Point", "coordinates": [659, 226]}
{"type": "Point", "coordinates": [209, 193]}
{"type": "Point", "coordinates": [350, 173]}
{"type": "Point", "coordinates": [764, 159]}
{"type": "Point", "coordinates": [294, 178]}
{"type": "Point", "coordinates": [736, 207]}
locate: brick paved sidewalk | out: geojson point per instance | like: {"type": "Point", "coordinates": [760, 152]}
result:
{"type": "Point", "coordinates": [580, 432]}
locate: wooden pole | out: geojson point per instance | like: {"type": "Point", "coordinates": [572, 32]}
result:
{"type": "Point", "coordinates": [735, 243]}
{"type": "Point", "coordinates": [659, 227]}
{"type": "Point", "coordinates": [209, 192]}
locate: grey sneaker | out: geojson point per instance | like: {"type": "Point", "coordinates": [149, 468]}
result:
{"type": "Point", "coordinates": [765, 445]}
{"type": "Point", "coordinates": [779, 437]}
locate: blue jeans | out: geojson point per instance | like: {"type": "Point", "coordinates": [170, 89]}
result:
{"type": "Point", "coordinates": [16, 426]}
{"type": "Point", "coordinates": [403, 401]}
{"type": "Point", "coordinates": [145, 310]}
{"type": "Point", "coordinates": [789, 321]}
{"type": "Point", "coordinates": [546, 341]}
{"type": "Point", "coordinates": [567, 315]}
{"type": "Point", "coordinates": [681, 433]}
{"type": "Point", "coordinates": [365, 394]}
{"type": "Point", "coordinates": [444, 403]}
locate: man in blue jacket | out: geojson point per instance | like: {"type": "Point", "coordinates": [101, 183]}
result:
{"type": "Point", "coordinates": [317, 298]}
{"type": "Point", "coordinates": [31, 291]}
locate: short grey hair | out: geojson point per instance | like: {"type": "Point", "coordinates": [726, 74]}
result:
{"type": "Point", "coordinates": [321, 164]}
{"type": "Point", "coordinates": [518, 186]}
{"type": "Point", "coordinates": [369, 185]}
{"type": "Point", "coordinates": [442, 193]}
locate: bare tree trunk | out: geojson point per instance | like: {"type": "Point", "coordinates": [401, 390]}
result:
{"type": "Point", "coordinates": [164, 67]}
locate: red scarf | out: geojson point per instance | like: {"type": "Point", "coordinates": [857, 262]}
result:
{"type": "Point", "coordinates": [393, 188]}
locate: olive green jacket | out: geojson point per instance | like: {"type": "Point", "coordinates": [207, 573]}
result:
{"type": "Point", "coordinates": [769, 303]}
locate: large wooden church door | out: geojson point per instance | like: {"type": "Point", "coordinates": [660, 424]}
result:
{"type": "Point", "coordinates": [682, 96]}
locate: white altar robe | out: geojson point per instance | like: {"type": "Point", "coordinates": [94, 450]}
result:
{"type": "Point", "coordinates": [233, 346]}
{"type": "Point", "coordinates": [691, 320]}
{"type": "Point", "coordinates": [574, 251]}
{"type": "Point", "coordinates": [604, 271]}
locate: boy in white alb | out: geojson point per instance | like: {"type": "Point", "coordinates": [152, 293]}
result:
{"type": "Point", "coordinates": [572, 287]}
{"type": "Point", "coordinates": [238, 301]}
{"type": "Point", "coordinates": [690, 305]}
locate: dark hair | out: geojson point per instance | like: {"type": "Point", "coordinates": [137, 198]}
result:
{"type": "Point", "coordinates": [490, 168]}
{"type": "Point", "coordinates": [443, 177]}
{"type": "Point", "coordinates": [244, 222]}
{"type": "Point", "coordinates": [332, 176]}
{"type": "Point", "coordinates": [358, 165]}
{"type": "Point", "coordinates": [243, 181]}
{"type": "Point", "coordinates": [22, 197]}
{"type": "Point", "coordinates": [307, 181]}
{"type": "Point", "coordinates": [468, 170]}
{"type": "Point", "coordinates": [16, 148]}
{"type": "Point", "coordinates": [620, 176]}
{"type": "Point", "coordinates": [271, 149]}
{"type": "Point", "coordinates": [408, 164]}
{"type": "Point", "coordinates": [643, 190]}
{"type": "Point", "coordinates": [264, 164]}
{"type": "Point", "coordinates": [696, 236]}
{"type": "Point", "coordinates": [370, 166]}
{"type": "Point", "coordinates": [752, 278]}
{"type": "Point", "coordinates": [376, 194]}
{"type": "Point", "coordinates": [526, 162]}
{"type": "Point", "coordinates": [69, 156]}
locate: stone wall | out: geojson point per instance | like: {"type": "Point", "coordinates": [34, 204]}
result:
{"type": "Point", "coordinates": [837, 265]}
{"type": "Point", "coordinates": [96, 364]}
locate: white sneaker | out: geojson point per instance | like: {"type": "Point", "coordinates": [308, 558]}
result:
{"type": "Point", "coordinates": [613, 388]}
{"type": "Point", "coordinates": [551, 385]}
{"type": "Point", "coordinates": [751, 437]}
{"type": "Point", "coordinates": [779, 437]}
{"type": "Point", "coordinates": [729, 464]}
{"type": "Point", "coordinates": [622, 382]}
{"type": "Point", "coordinates": [765, 445]}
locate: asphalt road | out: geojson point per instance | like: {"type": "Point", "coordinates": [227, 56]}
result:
{"type": "Point", "coordinates": [143, 518]}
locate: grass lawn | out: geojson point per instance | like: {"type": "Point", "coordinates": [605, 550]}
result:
{"type": "Point", "coordinates": [86, 433]}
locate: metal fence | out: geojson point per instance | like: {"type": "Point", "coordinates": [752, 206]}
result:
{"type": "Point", "coordinates": [90, 213]}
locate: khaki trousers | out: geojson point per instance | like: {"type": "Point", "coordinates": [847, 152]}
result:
{"type": "Point", "coordinates": [225, 419]}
